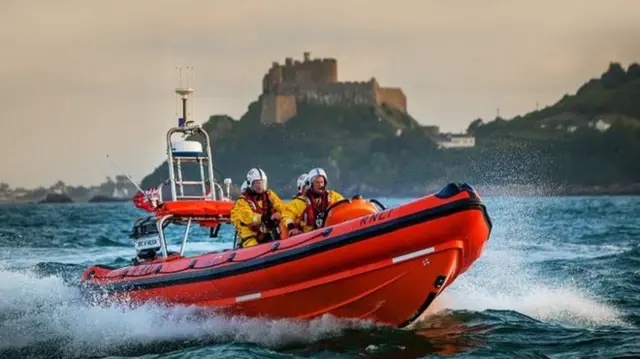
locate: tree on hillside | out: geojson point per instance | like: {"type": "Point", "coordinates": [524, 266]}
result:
{"type": "Point", "coordinates": [614, 76]}
{"type": "Point", "coordinates": [59, 186]}
{"type": "Point", "coordinates": [474, 125]}
{"type": "Point", "coordinates": [633, 73]}
{"type": "Point", "coordinates": [382, 150]}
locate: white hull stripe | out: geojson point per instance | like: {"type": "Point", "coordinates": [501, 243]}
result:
{"type": "Point", "coordinates": [247, 297]}
{"type": "Point", "coordinates": [412, 255]}
{"type": "Point", "coordinates": [398, 259]}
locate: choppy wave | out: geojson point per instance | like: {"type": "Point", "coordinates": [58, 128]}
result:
{"type": "Point", "coordinates": [550, 283]}
{"type": "Point", "coordinates": [44, 313]}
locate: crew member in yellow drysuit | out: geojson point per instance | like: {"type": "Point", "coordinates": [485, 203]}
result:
{"type": "Point", "coordinates": [310, 208]}
{"type": "Point", "coordinates": [302, 186]}
{"type": "Point", "coordinates": [257, 212]}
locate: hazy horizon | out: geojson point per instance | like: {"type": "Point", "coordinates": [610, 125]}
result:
{"type": "Point", "coordinates": [84, 80]}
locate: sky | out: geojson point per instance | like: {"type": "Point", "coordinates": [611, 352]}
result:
{"type": "Point", "coordinates": [82, 79]}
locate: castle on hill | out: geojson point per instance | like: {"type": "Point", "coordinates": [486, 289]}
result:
{"type": "Point", "coordinates": [285, 87]}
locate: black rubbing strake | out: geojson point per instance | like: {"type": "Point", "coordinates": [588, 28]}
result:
{"type": "Point", "coordinates": [298, 253]}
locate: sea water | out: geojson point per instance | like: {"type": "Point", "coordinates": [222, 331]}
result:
{"type": "Point", "coordinates": [560, 277]}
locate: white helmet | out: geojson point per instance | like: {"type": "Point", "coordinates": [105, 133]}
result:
{"type": "Point", "coordinates": [244, 186]}
{"type": "Point", "coordinates": [256, 174]}
{"type": "Point", "coordinates": [315, 173]}
{"type": "Point", "coordinates": [302, 181]}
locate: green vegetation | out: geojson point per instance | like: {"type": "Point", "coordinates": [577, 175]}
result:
{"type": "Point", "coordinates": [614, 97]}
{"type": "Point", "coordinates": [563, 138]}
{"type": "Point", "coordinates": [363, 151]}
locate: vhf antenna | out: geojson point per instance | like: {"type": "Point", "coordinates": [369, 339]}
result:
{"type": "Point", "coordinates": [183, 92]}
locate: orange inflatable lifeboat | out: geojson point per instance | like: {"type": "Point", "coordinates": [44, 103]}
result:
{"type": "Point", "coordinates": [368, 261]}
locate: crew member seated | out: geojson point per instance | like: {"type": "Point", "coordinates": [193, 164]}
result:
{"type": "Point", "coordinates": [302, 186]}
{"type": "Point", "coordinates": [256, 214]}
{"type": "Point", "coordinates": [310, 210]}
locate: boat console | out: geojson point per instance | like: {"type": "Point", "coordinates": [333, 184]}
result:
{"type": "Point", "coordinates": [200, 199]}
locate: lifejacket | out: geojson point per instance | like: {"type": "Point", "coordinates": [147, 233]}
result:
{"type": "Point", "coordinates": [315, 212]}
{"type": "Point", "coordinates": [254, 199]}
{"type": "Point", "coordinates": [265, 210]}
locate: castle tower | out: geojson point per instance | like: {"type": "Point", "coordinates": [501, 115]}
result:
{"type": "Point", "coordinates": [286, 86]}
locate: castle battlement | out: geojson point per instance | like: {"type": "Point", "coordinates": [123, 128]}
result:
{"type": "Point", "coordinates": [315, 81]}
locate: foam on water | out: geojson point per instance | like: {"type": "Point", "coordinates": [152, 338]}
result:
{"type": "Point", "coordinates": [506, 289]}
{"type": "Point", "coordinates": [504, 278]}
{"type": "Point", "coordinates": [45, 311]}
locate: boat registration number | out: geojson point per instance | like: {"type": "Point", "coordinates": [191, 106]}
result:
{"type": "Point", "coordinates": [147, 243]}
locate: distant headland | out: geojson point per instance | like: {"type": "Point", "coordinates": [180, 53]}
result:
{"type": "Point", "coordinates": [363, 135]}
{"type": "Point", "coordinates": [120, 189]}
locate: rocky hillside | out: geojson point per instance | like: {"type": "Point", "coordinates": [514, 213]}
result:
{"type": "Point", "coordinates": [585, 142]}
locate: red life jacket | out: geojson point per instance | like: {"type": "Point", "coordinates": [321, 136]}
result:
{"type": "Point", "coordinates": [315, 205]}
{"type": "Point", "coordinates": [255, 199]}
{"type": "Point", "coordinates": [265, 227]}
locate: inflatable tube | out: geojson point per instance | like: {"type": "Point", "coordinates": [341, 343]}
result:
{"type": "Point", "coordinates": [387, 266]}
{"type": "Point", "coordinates": [348, 209]}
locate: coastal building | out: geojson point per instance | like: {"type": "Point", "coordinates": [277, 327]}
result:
{"type": "Point", "coordinates": [600, 125]}
{"type": "Point", "coordinates": [450, 140]}
{"type": "Point", "coordinates": [120, 189]}
{"type": "Point", "coordinates": [58, 188]}
{"type": "Point", "coordinates": [315, 81]}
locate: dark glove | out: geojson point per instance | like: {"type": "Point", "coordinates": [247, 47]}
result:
{"type": "Point", "coordinates": [265, 218]}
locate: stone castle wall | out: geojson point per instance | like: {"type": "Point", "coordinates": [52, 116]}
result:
{"type": "Point", "coordinates": [277, 108]}
{"type": "Point", "coordinates": [393, 97]}
{"type": "Point", "coordinates": [282, 79]}
{"type": "Point", "coordinates": [340, 93]}
{"type": "Point", "coordinates": [316, 82]}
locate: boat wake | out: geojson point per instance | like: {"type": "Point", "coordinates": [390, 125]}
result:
{"type": "Point", "coordinates": [43, 314]}
{"type": "Point", "coordinates": [506, 280]}
{"type": "Point", "coordinates": [560, 303]}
